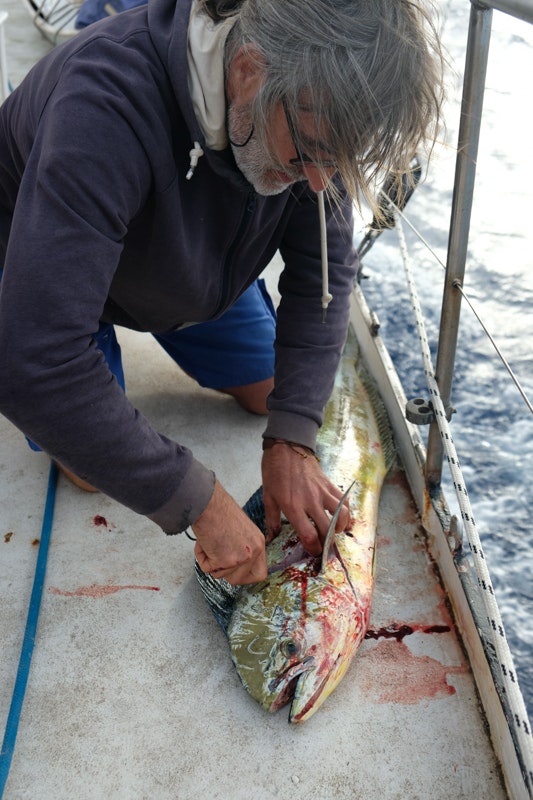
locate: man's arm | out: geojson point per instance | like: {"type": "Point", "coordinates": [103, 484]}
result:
{"type": "Point", "coordinates": [307, 356]}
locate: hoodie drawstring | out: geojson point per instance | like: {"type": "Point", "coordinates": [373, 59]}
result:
{"type": "Point", "coordinates": [194, 155]}
{"type": "Point", "coordinates": [326, 296]}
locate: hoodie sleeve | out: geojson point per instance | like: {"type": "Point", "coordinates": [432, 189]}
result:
{"type": "Point", "coordinates": [308, 350]}
{"type": "Point", "coordinates": [76, 197]}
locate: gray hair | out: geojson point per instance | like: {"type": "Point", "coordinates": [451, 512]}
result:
{"type": "Point", "coordinates": [369, 71]}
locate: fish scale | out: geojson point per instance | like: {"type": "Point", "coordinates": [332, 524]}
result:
{"type": "Point", "coordinates": [293, 636]}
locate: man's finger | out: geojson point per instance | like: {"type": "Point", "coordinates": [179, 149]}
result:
{"type": "Point", "coordinates": [241, 575]}
{"type": "Point", "coordinates": [272, 519]}
{"type": "Point", "coordinates": [343, 520]}
{"type": "Point", "coordinates": [308, 534]}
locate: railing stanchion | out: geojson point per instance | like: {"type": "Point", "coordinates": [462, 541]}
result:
{"type": "Point", "coordinates": [465, 170]}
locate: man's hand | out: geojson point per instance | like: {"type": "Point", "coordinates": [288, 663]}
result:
{"type": "Point", "coordinates": [297, 487]}
{"type": "Point", "coordinates": [229, 545]}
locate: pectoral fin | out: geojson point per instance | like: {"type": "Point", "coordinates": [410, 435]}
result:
{"type": "Point", "coordinates": [330, 536]}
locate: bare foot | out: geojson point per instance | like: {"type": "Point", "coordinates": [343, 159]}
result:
{"type": "Point", "coordinates": [79, 482]}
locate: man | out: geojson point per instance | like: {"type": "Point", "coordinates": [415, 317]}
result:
{"type": "Point", "coordinates": [149, 170]}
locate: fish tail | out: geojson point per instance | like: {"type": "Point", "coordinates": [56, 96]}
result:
{"type": "Point", "coordinates": [219, 594]}
{"type": "Point", "coordinates": [255, 509]}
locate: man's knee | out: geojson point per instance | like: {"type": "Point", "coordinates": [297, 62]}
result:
{"type": "Point", "coordinates": [253, 396]}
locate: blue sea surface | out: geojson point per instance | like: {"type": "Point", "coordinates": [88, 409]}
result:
{"type": "Point", "coordinates": [493, 427]}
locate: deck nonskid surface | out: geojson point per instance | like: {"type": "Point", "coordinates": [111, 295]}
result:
{"type": "Point", "coordinates": [132, 692]}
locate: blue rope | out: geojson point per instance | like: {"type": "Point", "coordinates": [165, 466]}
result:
{"type": "Point", "coordinates": [26, 652]}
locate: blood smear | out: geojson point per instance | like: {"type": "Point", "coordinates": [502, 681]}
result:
{"type": "Point", "coordinates": [404, 677]}
{"type": "Point", "coordinates": [98, 591]}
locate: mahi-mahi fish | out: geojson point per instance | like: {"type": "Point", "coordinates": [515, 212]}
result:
{"type": "Point", "coordinates": [293, 636]}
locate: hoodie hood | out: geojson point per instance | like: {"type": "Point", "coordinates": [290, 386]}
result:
{"type": "Point", "coordinates": [205, 59]}
{"type": "Point", "coordinates": [191, 46]}
{"type": "Point", "coordinates": [168, 21]}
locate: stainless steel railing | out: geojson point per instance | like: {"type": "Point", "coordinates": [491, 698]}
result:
{"type": "Point", "coordinates": [477, 53]}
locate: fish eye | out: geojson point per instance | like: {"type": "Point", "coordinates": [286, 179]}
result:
{"type": "Point", "coordinates": [290, 648]}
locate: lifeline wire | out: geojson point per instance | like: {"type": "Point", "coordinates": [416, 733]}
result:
{"type": "Point", "coordinates": [28, 643]}
{"type": "Point", "coordinates": [476, 313]}
{"type": "Point", "coordinates": [499, 639]}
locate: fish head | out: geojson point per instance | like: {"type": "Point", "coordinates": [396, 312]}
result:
{"type": "Point", "coordinates": [292, 639]}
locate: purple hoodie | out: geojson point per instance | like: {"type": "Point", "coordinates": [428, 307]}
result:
{"type": "Point", "coordinates": [98, 223]}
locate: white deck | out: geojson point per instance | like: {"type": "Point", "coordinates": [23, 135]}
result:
{"type": "Point", "coordinates": [132, 693]}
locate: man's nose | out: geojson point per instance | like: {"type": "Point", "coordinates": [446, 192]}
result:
{"type": "Point", "coordinates": [318, 179]}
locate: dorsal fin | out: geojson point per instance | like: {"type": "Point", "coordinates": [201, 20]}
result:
{"type": "Point", "coordinates": [330, 536]}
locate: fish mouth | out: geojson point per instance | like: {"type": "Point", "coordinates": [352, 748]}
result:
{"type": "Point", "coordinates": [284, 686]}
{"type": "Point", "coordinates": [304, 703]}
{"type": "Point", "coordinates": [314, 687]}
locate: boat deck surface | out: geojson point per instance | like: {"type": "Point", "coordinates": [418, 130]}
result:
{"type": "Point", "coordinates": [132, 693]}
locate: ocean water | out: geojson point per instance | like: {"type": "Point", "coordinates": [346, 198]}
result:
{"type": "Point", "coordinates": [492, 429]}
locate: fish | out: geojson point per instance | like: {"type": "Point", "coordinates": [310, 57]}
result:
{"type": "Point", "coordinates": [293, 635]}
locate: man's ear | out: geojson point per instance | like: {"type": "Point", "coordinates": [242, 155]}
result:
{"type": "Point", "coordinates": [246, 72]}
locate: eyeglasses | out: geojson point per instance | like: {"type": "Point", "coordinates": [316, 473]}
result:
{"type": "Point", "coordinates": [302, 160]}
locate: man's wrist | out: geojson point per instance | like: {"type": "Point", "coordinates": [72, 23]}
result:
{"type": "Point", "coordinates": [301, 449]}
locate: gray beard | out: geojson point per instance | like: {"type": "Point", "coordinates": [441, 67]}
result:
{"type": "Point", "coordinates": [252, 159]}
